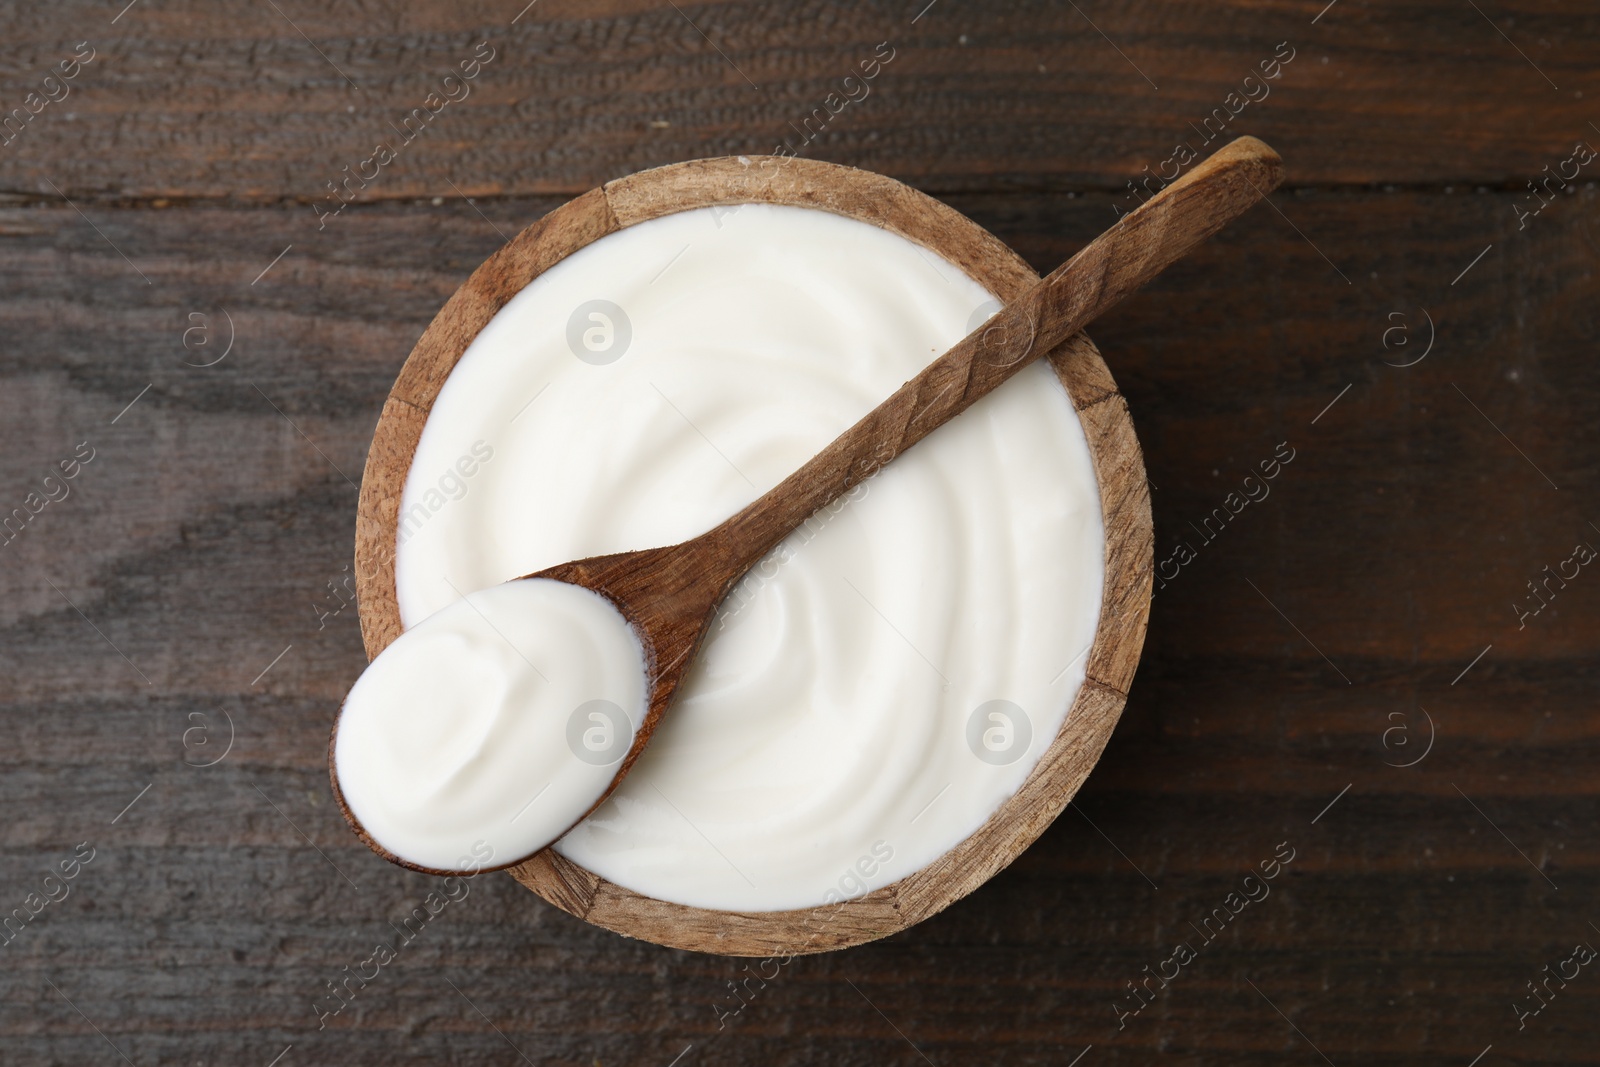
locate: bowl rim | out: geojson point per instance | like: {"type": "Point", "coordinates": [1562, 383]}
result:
{"type": "Point", "coordinates": [1119, 472]}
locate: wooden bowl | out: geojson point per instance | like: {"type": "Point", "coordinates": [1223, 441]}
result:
{"type": "Point", "coordinates": [1119, 468]}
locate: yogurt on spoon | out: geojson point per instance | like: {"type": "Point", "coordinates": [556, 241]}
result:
{"type": "Point", "coordinates": [450, 740]}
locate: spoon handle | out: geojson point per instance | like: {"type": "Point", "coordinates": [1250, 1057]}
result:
{"type": "Point", "coordinates": [1142, 244]}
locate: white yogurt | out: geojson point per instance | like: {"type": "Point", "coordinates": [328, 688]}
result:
{"type": "Point", "coordinates": [889, 676]}
{"type": "Point", "coordinates": [498, 720]}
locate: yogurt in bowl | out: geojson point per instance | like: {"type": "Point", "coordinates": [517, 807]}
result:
{"type": "Point", "coordinates": [888, 700]}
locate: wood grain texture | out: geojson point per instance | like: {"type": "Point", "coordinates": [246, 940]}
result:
{"type": "Point", "coordinates": [229, 100]}
{"type": "Point", "coordinates": [1396, 541]}
{"type": "Point", "coordinates": [670, 593]}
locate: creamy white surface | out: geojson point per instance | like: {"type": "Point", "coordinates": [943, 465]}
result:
{"type": "Point", "coordinates": [820, 745]}
{"type": "Point", "coordinates": [499, 719]}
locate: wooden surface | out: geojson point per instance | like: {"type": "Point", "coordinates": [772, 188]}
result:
{"type": "Point", "coordinates": [202, 538]}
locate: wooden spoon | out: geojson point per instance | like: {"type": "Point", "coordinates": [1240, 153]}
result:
{"type": "Point", "coordinates": [670, 595]}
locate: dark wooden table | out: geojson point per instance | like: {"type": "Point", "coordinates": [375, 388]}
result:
{"type": "Point", "coordinates": [1364, 616]}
